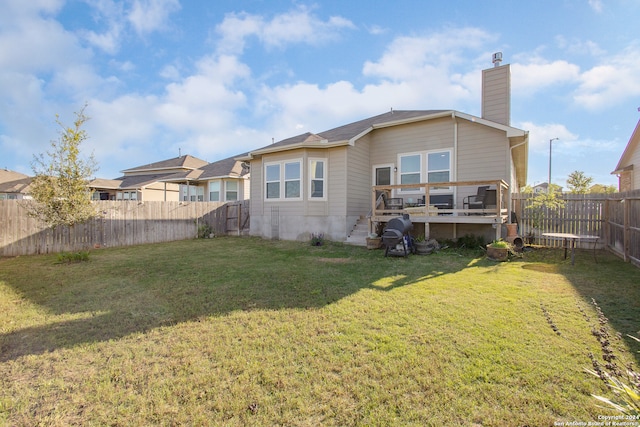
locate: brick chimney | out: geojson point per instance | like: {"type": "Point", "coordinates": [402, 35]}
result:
{"type": "Point", "coordinates": [496, 92]}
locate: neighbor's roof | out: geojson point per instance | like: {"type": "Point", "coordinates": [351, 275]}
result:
{"type": "Point", "coordinates": [13, 182]}
{"type": "Point", "coordinates": [632, 145]}
{"type": "Point", "coordinates": [184, 162]}
{"type": "Point", "coordinates": [229, 167]}
{"type": "Point", "coordinates": [110, 184]}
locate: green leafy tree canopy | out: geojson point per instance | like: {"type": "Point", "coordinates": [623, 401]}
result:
{"type": "Point", "coordinates": [579, 183]}
{"type": "Point", "coordinates": [60, 187]}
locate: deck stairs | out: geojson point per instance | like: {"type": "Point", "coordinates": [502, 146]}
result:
{"type": "Point", "coordinates": [359, 234]}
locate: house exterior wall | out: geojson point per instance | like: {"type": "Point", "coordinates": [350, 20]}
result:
{"type": "Point", "coordinates": [298, 219]}
{"type": "Point", "coordinates": [634, 177]}
{"type": "Point", "coordinates": [496, 90]}
{"type": "Point", "coordinates": [482, 154]}
{"type": "Point", "coordinates": [156, 193]}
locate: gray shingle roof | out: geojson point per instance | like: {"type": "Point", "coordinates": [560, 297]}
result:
{"type": "Point", "coordinates": [186, 161]}
{"type": "Point", "coordinates": [348, 131]}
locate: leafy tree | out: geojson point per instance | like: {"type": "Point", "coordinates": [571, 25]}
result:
{"type": "Point", "coordinates": [540, 205]}
{"type": "Point", "coordinates": [578, 182]}
{"type": "Point", "coordinates": [60, 187]}
{"type": "Point", "coordinates": [601, 188]}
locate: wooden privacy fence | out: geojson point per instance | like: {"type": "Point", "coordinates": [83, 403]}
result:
{"type": "Point", "coordinates": [615, 218]}
{"type": "Point", "coordinates": [622, 227]}
{"type": "Point", "coordinates": [118, 223]}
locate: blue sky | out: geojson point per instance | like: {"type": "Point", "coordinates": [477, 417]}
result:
{"type": "Point", "coordinates": [217, 78]}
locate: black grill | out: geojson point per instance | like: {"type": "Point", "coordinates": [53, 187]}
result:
{"type": "Point", "coordinates": [396, 238]}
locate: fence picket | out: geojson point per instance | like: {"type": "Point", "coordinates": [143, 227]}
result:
{"type": "Point", "coordinates": [118, 223]}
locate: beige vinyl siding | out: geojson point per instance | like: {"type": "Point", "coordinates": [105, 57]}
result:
{"type": "Point", "coordinates": [635, 173]}
{"type": "Point", "coordinates": [246, 188]}
{"type": "Point", "coordinates": [496, 89]}
{"type": "Point", "coordinates": [358, 197]}
{"type": "Point", "coordinates": [482, 152]}
{"type": "Point", "coordinates": [156, 192]}
{"type": "Point", "coordinates": [317, 207]}
{"type": "Point", "coordinates": [256, 190]}
{"type": "Point", "coordinates": [387, 143]}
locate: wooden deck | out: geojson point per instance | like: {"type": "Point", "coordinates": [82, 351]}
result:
{"type": "Point", "coordinates": [434, 214]}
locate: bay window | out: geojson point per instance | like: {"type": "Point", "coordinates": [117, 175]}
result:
{"type": "Point", "coordinates": [283, 180]}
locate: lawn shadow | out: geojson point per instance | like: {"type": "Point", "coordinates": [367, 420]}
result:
{"type": "Point", "coordinates": [126, 291]}
{"type": "Point", "coordinates": [605, 279]}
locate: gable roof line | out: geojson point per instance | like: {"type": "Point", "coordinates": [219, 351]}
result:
{"type": "Point", "coordinates": [633, 141]}
{"type": "Point", "coordinates": [323, 139]}
{"type": "Point", "coordinates": [400, 122]}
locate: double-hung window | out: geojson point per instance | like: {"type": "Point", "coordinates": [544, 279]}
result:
{"type": "Point", "coordinates": [283, 180]}
{"type": "Point", "coordinates": [292, 180]}
{"type": "Point", "coordinates": [439, 168]}
{"type": "Point", "coordinates": [272, 173]}
{"type": "Point", "coordinates": [214, 191]}
{"type": "Point", "coordinates": [317, 174]}
{"type": "Point", "coordinates": [231, 190]}
{"type": "Point", "coordinates": [410, 170]}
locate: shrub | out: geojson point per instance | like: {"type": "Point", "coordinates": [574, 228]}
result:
{"type": "Point", "coordinates": [317, 239]}
{"type": "Point", "coordinates": [69, 257]}
{"type": "Point", "coordinates": [204, 231]}
{"type": "Point", "coordinates": [470, 241]}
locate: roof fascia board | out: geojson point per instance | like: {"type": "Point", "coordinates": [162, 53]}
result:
{"type": "Point", "coordinates": [399, 122]}
{"type": "Point", "coordinates": [635, 137]}
{"type": "Point", "coordinates": [510, 131]}
{"type": "Point", "coordinates": [157, 169]}
{"type": "Point", "coordinates": [267, 150]}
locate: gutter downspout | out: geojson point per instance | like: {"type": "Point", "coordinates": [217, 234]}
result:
{"type": "Point", "coordinates": [526, 140]}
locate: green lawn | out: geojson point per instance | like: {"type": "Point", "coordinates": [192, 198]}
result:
{"type": "Point", "coordinates": [243, 331]}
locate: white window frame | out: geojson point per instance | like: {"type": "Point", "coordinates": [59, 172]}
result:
{"type": "Point", "coordinates": [227, 190]}
{"type": "Point", "coordinates": [282, 164]}
{"type": "Point", "coordinates": [323, 178]}
{"type": "Point", "coordinates": [436, 190]}
{"type": "Point", "coordinates": [218, 190]}
{"type": "Point", "coordinates": [421, 167]}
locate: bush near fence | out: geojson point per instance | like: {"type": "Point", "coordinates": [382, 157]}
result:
{"type": "Point", "coordinates": [118, 223]}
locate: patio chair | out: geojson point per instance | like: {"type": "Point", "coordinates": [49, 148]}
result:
{"type": "Point", "coordinates": [390, 203]}
{"type": "Point", "coordinates": [476, 201]}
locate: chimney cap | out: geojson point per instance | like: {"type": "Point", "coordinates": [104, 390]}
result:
{"type": "Point", "coordinates": [496, 59]}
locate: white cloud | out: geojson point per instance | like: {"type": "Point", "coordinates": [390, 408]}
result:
{"type": "Point", "coordinates": [539, 135]}
{"type": "Point", "coordinates": [610, 83]}
{"type": "Point", "coordinates": [576, 46]}
{"type": "Point", "coordinates": [148, 16]}
{"type": "Point", "coordinates": [294, 27]}
{"type": "Point", "coordinates": [596, 5]}
{"type": "Point", "coordinates": [538, 74]}
{"type": "Point", "coordinates": [408, 57]}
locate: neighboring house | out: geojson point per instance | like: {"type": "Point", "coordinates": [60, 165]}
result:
{"type": "Point", "coordinates": [544, 187]}
{"type": "Point", "coordinates": [628, 178]}
{"type": "Point", "coordinates": [184, 178]}
{"type": "Point", "coordinates": [226, 180]}
{"type": "Point", "coordinates": [330, 181]}
{"type": "Point", "coordinates": [14, 185]}
{"type": "Point", "coordinates": [146, 182]}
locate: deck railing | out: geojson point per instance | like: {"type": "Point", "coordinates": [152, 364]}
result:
{"type": "Point", "coordinates": [414, 196]}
